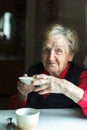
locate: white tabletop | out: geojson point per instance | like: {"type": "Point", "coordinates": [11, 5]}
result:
{"type": "Point", "coordinates": [52, 119]}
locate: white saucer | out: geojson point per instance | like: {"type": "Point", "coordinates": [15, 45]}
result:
{"type": "Point", "coordinates": [26, 80]}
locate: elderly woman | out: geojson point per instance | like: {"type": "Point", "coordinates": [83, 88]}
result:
{"type": "Point", "coordinates": [58, 82]}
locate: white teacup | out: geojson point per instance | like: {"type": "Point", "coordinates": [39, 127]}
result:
{"type": "Point", "coordinates": [26, 80]}
{"type": "Point", "coordinates": [27, 118]}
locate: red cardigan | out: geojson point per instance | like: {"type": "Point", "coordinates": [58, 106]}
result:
{"type": "Point", "coordinates": [16, 103]}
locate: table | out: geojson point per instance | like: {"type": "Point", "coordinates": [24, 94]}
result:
{"type": "Point", "coordinates": [52, 119]}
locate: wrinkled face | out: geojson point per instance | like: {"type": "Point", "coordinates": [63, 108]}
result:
{"type": "Point", "coordinates": [56, 54]}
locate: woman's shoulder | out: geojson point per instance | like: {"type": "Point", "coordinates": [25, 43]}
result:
{"type": "Point", "coordinates": [77, 67]}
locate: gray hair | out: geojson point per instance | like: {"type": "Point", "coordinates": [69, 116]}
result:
{"type": "Point", "coordinates": [69, 33]}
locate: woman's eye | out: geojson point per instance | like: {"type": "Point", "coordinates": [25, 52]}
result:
{"type": "Point", "coordinates": [46, 50]}
{"type": "Point", "coordinates": [59, 51]}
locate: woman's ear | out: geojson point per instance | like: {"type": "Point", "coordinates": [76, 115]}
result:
{"type": "Point", "coordinates": [71, 57]}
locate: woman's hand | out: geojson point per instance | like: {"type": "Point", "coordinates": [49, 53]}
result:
{"type": "Point", "coordinates": [24, 89]}
{"type": "Point", "coordinates": [48, 84]}
{"type": "Point", "coordinates": [51, 84]}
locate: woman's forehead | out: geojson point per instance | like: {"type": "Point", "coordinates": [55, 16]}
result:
{"type": "Point", "coordinates": [56, 40]}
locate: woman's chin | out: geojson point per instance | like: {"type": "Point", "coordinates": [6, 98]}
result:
{"type": "Point", "coordinates": [51, 70]}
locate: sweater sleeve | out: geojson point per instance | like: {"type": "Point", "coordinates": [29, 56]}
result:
{"type": "Point", "coordinates": [83, 103]}
{"type": "Point", "coordinates": [15, 103]}
{"type": "Point", "coordinates": [83, 84]}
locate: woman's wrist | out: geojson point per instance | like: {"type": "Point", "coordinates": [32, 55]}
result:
{"type": "Point", "coordinates": [22, 97]}
{"type": "Point", "coordinates": [72, 91]}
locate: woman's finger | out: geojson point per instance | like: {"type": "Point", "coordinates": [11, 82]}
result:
{"type": "Point", "coordinates": [41, 76]}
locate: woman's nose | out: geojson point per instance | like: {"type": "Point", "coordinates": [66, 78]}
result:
{"type": "Point", "coordinates": [51, 55]}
